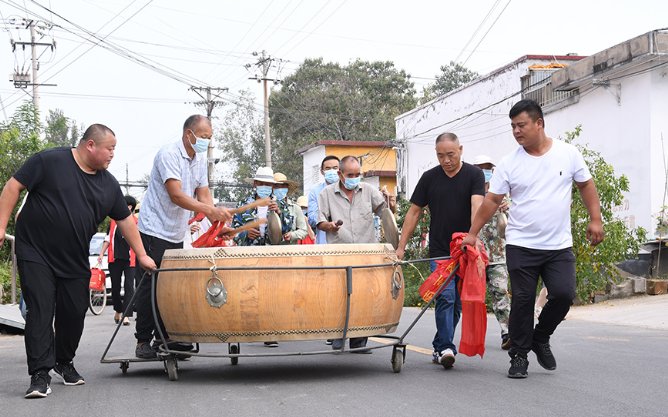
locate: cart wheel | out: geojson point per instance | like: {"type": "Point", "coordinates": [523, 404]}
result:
{"type": "Point", "coordinates": [97, 301]}
{"type": "Point", "coordinates": [124, 367]}
{"type": "Point", "coordinates": [234, 349]}
{"type": "Point", "coordinates": [397, 360]}
{"type": "Point", "coordinates": [172, 368]}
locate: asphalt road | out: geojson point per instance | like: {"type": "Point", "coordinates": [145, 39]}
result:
{"type": "Point", "coordinates": [603, 370]}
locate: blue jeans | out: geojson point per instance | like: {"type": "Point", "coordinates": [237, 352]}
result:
{"type": "Point", "coordinates": [448, 311]}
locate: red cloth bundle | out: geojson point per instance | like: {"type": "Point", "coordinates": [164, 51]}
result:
{"type": "Point", "coordinates": [210, 238]}
{"type": "Point", "coordinates": [472, 287]}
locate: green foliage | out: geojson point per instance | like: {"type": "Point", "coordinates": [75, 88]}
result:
{"type": "Point", "coordinates": [242, 130]}
{"type": "Point", "coordinates": [595, 265]}
{"type": "Point", "coordinates": [60, 130]}
{"type": "Point", "coordinates": [452, 76]}
{"type": "Point", "coordinates": [327, 101]}
{"type": "Point", "coordinates": [414, 275]}
{"type": "Point", "coordinates": [6, 283]}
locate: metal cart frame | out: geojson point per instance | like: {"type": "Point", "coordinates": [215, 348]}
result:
{"type": "Point", "coordinates": [170, 357]}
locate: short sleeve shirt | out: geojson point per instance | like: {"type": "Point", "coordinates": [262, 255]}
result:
{"type": "Point", "coordinates": [357, 216]}
{"type": "Point", "coordinates": [449, 202]}
{"type": "Point", "coordinates": [64, 207]}
{"type": "Point", "coordinates": [159, 216]}
{"type": "Point", "coordinates": [540, 190]}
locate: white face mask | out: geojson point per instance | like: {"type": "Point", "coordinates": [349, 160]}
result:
{"type": "Point", "coordinates": [201, 144]}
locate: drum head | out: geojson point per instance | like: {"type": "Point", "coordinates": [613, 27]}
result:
{"type": "Point", "coordinates": [274, 229]}
{"type": "Point", "coordinates": [390, 229]}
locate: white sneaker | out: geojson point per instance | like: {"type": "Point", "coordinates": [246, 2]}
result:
{"type": "Point", "coordinates": [447, 358]}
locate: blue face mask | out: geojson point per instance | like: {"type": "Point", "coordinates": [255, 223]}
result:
{"type": "Point", "coordinates": [331, 176]}
{"type": "Point", "coordinates": [201, 145]}
{"type": "Point", "coordinates": [280, 193]}
{"type": "Point", "coordinates": [263, 191]}
{"type": "Point", "coordinates": [352, 183]}
{"type": "Point", "coordinates": [488, 174]}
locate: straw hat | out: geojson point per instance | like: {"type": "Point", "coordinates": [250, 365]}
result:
{"type": "Point", "coordinates": [264, 174]}
{"type": "Point", "coordinates": [280, 178]}
{"type": "Point", "coordinates": [302, 201]}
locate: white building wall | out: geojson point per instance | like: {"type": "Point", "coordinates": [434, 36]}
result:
{"type": "Point", "coordinates": [658, 141]}
{"type": "Point", "coordinates": [628, 133]}
{"type": "Point", "coordinates": [484, 131]}
{"type": "Point", "coordinates": [621, 132]}
{"type": "Point", "coordinates": [311, 166]}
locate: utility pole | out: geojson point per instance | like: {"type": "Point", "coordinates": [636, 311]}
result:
{"type": "Point", "coordinates": [209, 101]}
{"type": "Point", "coordinates": [127, 179]}
{"type": "Point", "coordinates": [264, 63]}
{"type": "Point", "coordinates": [21, 79]}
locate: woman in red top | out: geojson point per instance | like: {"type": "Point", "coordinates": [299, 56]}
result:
{"type": "Point", "coordinates": [121, 262]}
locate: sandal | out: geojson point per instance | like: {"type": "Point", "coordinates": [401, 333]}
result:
{"type": "Point", "coordinates": [126, 321]}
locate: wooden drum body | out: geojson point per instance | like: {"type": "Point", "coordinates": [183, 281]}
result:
{"type": "Point", "coordinates": [279, 304]}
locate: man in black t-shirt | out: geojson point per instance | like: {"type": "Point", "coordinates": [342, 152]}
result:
{"type": "Point", "coordinates": [71, 192]}
{"type": "Point", "coordinates": [453, 191]}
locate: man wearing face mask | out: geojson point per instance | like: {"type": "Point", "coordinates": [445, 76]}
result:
{"type": "Point", "coordinates": [497, 274]}
{"type": "Point", "coordinates": [263, 185]}
{"type": "Point", "coordinates": [179, 172]}
{"type": "Point", "coordinates": [293, 223]}
{"type": "Point", "coordinates": [346, 210]}
{"type": "Point", "coordinates": [329, 168]}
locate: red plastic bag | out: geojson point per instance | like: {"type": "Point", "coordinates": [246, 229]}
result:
{"type": "Point", "coordinates": [97, 280]}
{"type": "Point", "coordinates": [429, 287]}
{"type": "Point", "coordinates": [210, 238]}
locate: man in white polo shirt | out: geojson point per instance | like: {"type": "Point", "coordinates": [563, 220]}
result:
{"type": "Point", "coordinates": [179, 173]}
{"type": "Point", "coordinates": [539, 177]}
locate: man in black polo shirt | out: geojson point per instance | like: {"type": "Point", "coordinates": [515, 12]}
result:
{"type": "Point", "coordinates": [453, 191]}
{"type": "Point", "coordinates": [71, 192]}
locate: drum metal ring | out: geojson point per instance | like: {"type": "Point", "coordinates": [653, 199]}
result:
{"type": "Point", "coordinates": [396, 282]}
{"type": "Point", "coordinates": [216, 293]}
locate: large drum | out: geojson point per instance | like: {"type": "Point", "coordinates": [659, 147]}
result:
{"type": "Point", "coordinates": [277, 304]}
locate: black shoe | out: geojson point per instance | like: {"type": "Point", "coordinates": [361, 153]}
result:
{"type": "Point", "coordinates": [69, 375]}
{"type": "Point", "coordinates": [39, 385]}
{"type": "Point", "coordinates": [544, 355]}
{"type": "Point", "coordinates": [505, 341]}
{"type": "Point", "coordinates": [271, 344]}
{"type": "Point", "coordinates": [145, 351]}
{"type": "Point", "coordinates": [518, 366]}
{"type": "Point", "coordinates": [171, 345]}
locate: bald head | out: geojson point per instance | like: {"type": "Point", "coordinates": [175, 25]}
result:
{"type": "Point", "coordinates": [96, 132]}
{"type": "Point", "coordinates": [447, 136]}
{"type": "Point", "coordinates": [349, 163]}
{"type": "Point", "coordinates": [194, 121]}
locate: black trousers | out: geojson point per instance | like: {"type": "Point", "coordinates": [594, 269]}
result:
{"type": "Point", "coordinates": [116, 269]}
{"type": "Point", "coordinates": [48, 296]}
{"type": "Point", "coordinates": [145, 328]}
{"type": "Point", "coordinates": [525, 266]}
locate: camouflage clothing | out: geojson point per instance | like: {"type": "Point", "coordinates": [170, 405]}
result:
{"type": "Point", "coordinates": [495, 245]}
{"type": "Point", "coordinates": [287, 220]}
{"type": "Point", "coordinates": [497, 285]}
{"type": "Point", "coordinates": [497, 274]}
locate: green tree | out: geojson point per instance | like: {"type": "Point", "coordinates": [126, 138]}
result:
{"type": "Point", "coordinates": [60, 130]}
{"type": "Point", "coordinates": [452, 76]}
{"type": "Point", "coordinates": [323, 101]}
{"type": "Point", "coordinates": [242, 143]}
{"type": "Point", "coordinates": [595, 266]}
{"type": "Point", "coordinates": [416, 273]}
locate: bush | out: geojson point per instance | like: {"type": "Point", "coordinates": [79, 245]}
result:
{"type": "Point", "coordinates": [595, 266]}
{"type": "Point", "coordinates": [416, 273]}
{"type": "Point", "coordinates": [6, 283]}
